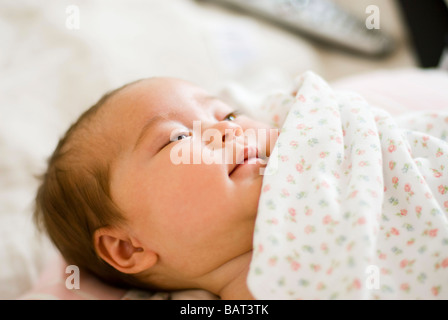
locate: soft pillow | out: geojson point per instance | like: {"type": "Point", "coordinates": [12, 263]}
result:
{"type": "Point", "coordinates": [401, 91]}
{"type": "Point", "coordinates": [56, 283]}
{"type": "Point", "coordinates": [52, 285]}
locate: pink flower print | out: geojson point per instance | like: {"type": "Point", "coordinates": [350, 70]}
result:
{"type": "Point", "coordinates": [392, 148]}
{"type": "Point", "coordinates": [385, 271]}
{"type": "Point", "coordinates": [363, 163]}
{"type": "Point", "coordinates": [395, 182]}
{"type": "Point", "coordinates": [315, 267]}
{"type": "Point", "coordinates": [285, 193]}
{"type": "Point", "coordinates": [308, 211]}
{"type": "Point", "coordinates": [403, 263]}
{"type": "Point", "coordinates": [445, 204]}
{"type": "Point", "coordinates": [284, 158]}
{"type": "Point", "coordinates": [439, 153]}
{"type": "Point", "coordinates": [357, 284]}
{"type": "Point", "coordinates": [290, 236]}
{"type": "Point", "coordinates": [320, 286]}
{"type": "Point", "coordinates": [337, 139]}
{"type": "Point", "coordinates": [361, 221]}
{"type": "Point", "coordinates": [301, 166]}
{"type": "Point", "coordinates": [407, 187]}
{"type": "Point", "coordinates": [350, 246]}
{"type": "Point", "coordinates": [435, 290]}
{"type": "Point", "coordinates": [272, 261]}
{"type": "Point", "coordinates": [301, 98]}
{"type": "Point", "coordinates": [325, 184]}
{"type": "Point", "coordinates": [403, 212]}
{"type": "Point", "coordinates": [382, 256]}
{"type": "Point", "coordinates": [323, 154]}
{"type": "Point", "coordinates": [424, 142]}
{"type": "Point", "coordinates": [290, 179]}
{"type": "Point", "coordinates": [405, 287]}
{"type": "Point", "coordinates": [353, 194]}
{"type": "Point", "coordinates": [292, 211]}
{"type": "Point", "coordinates": [266, 188]}
{"type": "Point", "coordinates": [394, 231]}
{"type": "Point", "coordinates": [309, 229]}
{"type": "Point", "coordinates": [443, 189]}
{"type": "Point", "coordinates": [327, 219]}
{"type": "Point", "coordinates": [436, 173]}
{"type": "Point", "coordinates": [294, 144]}
{"type": "Point", "coordinates": [392, 165]}
{"type": "Point", "coordinates": [418, 210]}
{"type": "Point", "coordinates": [324, 247]}
{"type": "Point", "coordinates": [433, 233]}
{"type": "Point", "coordinates": [445, 263]}
{"type": "Point", "coordinates": [410, 242]}
{"type": "Point", "coordinates": [295, 265]}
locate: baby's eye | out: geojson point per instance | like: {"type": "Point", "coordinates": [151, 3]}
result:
{"type": "Point", "coordinates": [180, 136]}
{"type": "Point", "coordinates": [232, 115]}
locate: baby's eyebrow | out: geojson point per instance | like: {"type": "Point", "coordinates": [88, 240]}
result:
{"type": "Point", "coordinates": [154, 121]}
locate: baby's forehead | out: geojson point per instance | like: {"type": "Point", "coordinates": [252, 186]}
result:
{"type": "Point", "coordinates": [138, 102]}
{"type": "Point", "coordinates": [159, 85]}
{"type": "Point", "coordinates": [159, 94]}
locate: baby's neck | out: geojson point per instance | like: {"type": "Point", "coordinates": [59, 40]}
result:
{"type": "Point", "coordinates": [231, 282]}
{"type": "Point", "coordinates": [237, 289]}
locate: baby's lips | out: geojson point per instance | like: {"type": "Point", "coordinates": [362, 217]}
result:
{"type": "Point", "coordinates": [248, 152]}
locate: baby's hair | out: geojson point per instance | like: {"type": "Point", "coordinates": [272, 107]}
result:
{"type": "Point", "coordinates": [73, 199]}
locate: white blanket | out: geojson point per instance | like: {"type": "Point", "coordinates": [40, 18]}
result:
{"type": "Point", "coordinates": [354, 202]}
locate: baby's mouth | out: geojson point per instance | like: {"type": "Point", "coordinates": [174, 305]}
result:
{"type": "Point", "coordinates": [249, 155]}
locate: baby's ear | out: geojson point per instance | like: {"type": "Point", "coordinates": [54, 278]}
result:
{"type": "Point", "coordinates": [123, 253]}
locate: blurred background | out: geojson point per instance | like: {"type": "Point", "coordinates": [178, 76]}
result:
{"type": "Point", "coordinates": [58, 57]}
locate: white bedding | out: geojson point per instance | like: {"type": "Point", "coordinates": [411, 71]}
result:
{"type": "Point", "coordinates": [354, 202]}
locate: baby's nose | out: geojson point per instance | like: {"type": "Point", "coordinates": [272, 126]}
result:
{"type": "Point", "coordinates": [221, 133]}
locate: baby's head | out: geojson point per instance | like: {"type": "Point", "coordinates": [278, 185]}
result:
{"type": "Point", "coordinates": [150, 188]}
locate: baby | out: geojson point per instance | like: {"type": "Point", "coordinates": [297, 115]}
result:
{"type": "Point", "coordinates": [161, 185]}
{"type": "Point", "coordinates": [117, 201]}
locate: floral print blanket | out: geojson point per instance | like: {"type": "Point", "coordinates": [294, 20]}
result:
{"type": "Point", "coordinates": [354, 203]}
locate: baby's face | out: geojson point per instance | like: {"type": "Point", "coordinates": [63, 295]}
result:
{"type": "Point", "coordinates": [193, 212]}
